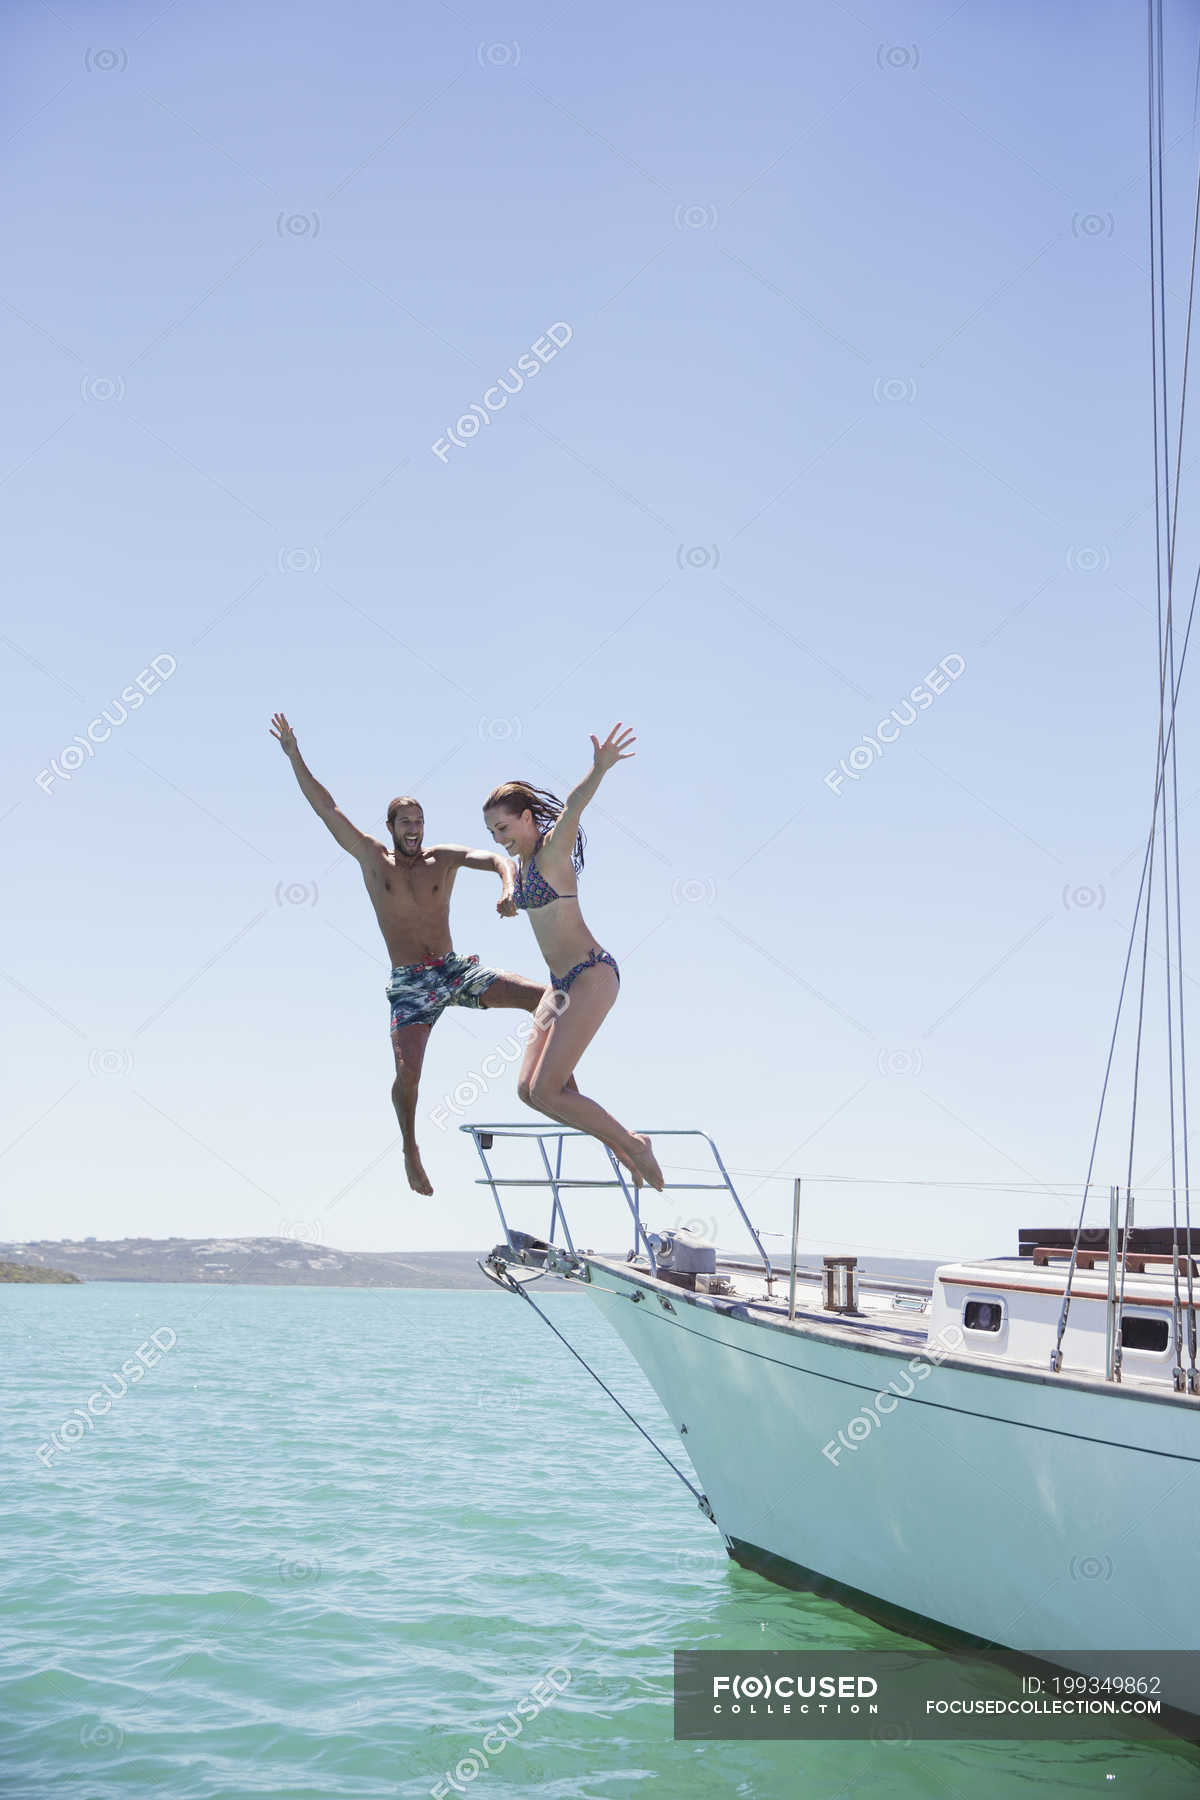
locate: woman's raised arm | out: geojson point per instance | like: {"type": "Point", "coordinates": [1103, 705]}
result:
{"type": "Point", "coordinates": [605, 756]}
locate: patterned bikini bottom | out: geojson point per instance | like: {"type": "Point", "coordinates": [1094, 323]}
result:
{"type": "Point", "coordinates": [562, 983]}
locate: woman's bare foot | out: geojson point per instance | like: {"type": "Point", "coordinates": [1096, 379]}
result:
{"type": "Point", "coordinates": [418, 1180]}
{"type": "Point", "coordinates": [646, 1169]}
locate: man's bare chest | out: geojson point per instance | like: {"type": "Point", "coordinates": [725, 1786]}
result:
{"type": "Point", "coordinates": [410, 892]}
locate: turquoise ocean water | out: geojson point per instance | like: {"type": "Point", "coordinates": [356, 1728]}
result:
{"type": "Point", "coordinates": [331, 1536]}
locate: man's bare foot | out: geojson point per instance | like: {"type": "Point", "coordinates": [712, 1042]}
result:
{"type": "Point", "coordinates": [418, 1180]}
{"type": "Point", "coordinates": [646, 1169]}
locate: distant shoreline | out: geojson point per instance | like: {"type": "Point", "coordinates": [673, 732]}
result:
{"type": "Point", "coordinates": [235, 1262]}
{"type": "Point", "coordinates": [282, 1262]}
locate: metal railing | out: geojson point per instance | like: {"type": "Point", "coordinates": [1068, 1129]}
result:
{"type": "Point", "coordinates": [551, 1141]}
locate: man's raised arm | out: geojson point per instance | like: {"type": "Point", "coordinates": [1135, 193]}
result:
{"type": "Point", "coordinates": [319, 798]}
{"type": "Point", "coordinates": [462, 858]}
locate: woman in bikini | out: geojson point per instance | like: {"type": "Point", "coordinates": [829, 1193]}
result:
{"type": "Point", "coordinates": [545, 838]}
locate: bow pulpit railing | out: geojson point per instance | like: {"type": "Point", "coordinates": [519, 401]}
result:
{"type": "Point", "coordinates": [559, 1175]}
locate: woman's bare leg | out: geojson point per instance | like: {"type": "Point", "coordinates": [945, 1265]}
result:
{"type": "Point", "coordinates": [547, 1080]}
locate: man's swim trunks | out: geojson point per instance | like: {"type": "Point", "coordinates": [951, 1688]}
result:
{"type": "Point", "coordinates": [419, 993]}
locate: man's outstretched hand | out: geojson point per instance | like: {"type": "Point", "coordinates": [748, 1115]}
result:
{"type": "Point", "coordinates": [282, 731]}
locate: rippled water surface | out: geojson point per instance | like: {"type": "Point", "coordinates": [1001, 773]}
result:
{"type": "Point", "coordinates": [332, 1536]}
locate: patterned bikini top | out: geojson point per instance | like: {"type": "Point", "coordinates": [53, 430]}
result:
{"type": "Point", "coordinates": [532, 889]}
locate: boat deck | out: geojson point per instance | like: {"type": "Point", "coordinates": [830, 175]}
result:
{"type": "Point", "coordinates": [894, 1312]}
{"type": "Point", "coordinates": [913, 1316]}
{"type": "Point", "coordinates": [1051, 1308]}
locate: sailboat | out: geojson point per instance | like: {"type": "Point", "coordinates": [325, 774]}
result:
{"type": "Point", "coordinates": [1007, 1453]}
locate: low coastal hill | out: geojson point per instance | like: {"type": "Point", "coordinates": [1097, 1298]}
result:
{"type": "Point", "coordinates": [16, 1271]}
{"type": "Point", "coordinates": [276, 1261]}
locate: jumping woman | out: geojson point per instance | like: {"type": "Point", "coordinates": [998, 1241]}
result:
{"type": "Point", "coordinates": [545, 838]}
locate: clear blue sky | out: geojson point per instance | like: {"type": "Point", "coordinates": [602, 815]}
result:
{"type": "Point", "coordinates": [857, 381]}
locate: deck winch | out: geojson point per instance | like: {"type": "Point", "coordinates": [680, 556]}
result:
{"type": "Point", "coordinates": [681, 1256]}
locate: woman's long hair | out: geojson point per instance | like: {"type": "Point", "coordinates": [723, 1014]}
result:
{"type": "Point", "coordinates": [522, 796]}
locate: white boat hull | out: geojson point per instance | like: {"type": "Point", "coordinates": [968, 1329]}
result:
{"type": "Point", "coordinates": [1037, 1512]}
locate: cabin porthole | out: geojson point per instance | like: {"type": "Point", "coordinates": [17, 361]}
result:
{"type": "Point", "coordinates": [983, 1315]}
{"type": "Point", "coordinates": [1141, 1331]}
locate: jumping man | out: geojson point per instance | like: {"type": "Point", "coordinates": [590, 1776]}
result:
{"type": "Point", "coordinates": [410, 886]}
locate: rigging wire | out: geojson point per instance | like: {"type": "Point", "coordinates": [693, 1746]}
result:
{"type": "Point", "coordinates": [1166, 792]}
{"type": "Point", "coordinates": [519, 1287]}
{"type": "Point", "coordinates": [1166, 676]}
{"type": "Point", "coordinates": [1046, 1190]}
{"type": "Point", "coordinates": [1193, 1375]}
